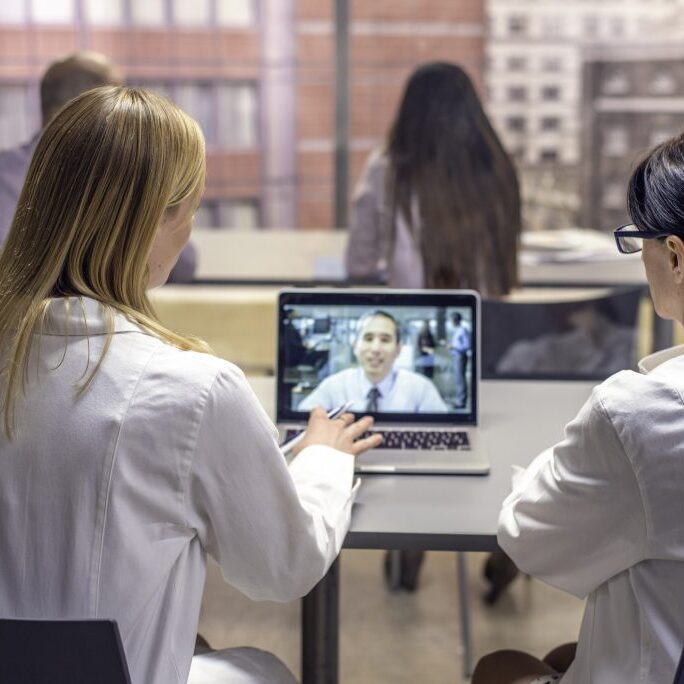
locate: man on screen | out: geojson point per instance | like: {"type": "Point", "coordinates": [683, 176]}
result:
{"type": "Point", "coordinates": [376, 385]}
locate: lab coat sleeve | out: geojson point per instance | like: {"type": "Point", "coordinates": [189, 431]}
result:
{"type": "Point", "coordinates": [273, 529]}
{"type": "Point", "coordinates": [576, 517]}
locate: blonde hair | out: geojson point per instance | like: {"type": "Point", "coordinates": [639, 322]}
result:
{"type": "Point", "coordinates": [105, 170]}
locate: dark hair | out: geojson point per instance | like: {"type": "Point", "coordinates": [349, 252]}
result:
{"type": "Point", "coordinates": [444, 152]}
{"type": "Point", "coordinates": [655, 194]}
{"type": "Point", "coordinates": [379, 312]}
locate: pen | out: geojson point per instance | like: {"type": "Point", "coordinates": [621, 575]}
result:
{"type": "Point", "coordinates": [287, 447]}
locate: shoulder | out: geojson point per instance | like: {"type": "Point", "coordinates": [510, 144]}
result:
{"type": "Point", "coordinates": [341, 377]}
{"type": "Point", "coordinates": [374, 172]}
{"type": "Point", "coordinates": [415, 380]}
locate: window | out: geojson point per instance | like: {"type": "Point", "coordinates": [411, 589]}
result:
{"type": "Point", "coordinates": [517, 25]}
{"type": "Point", "coordinates": [235, 12]}
{"type": "Point", "coordinates": [12, 12]}
{"type": "Point", "coordinates": [548, 154]}
{"type": "Point", "coordinates": [550, 123]}
{"type": "Point", "coordinates": [550, 93]}
{"type": "Point", "coordinates": [591, 27]}
{"type": "Point", "coordinates": [551, 64]}
{"type": "Point", "coordinates": [516, 63]}
{"type": "Point", "coordinates": [517, 93]}
{"type": "Point", "coordinates": [194, 13]}
{"type": "Point", "coordinates": [552, 26]}
{"type": "Point", "coordinates": [242, 214]}
{"type": "Point", "coordinates": [615, 141]}
{"type": "Point", "coordinates": [663, 83]}
{"type": "Point", "coordinates": [517, 124]}
{"type": "Point", "coordinates": [237, 125]}
{"type": "Point", "coordinates": [617, 27]}
{"type": "Point", "coordinates": [613, 196]}
{"type": "Point", "coordinates": [52, 11]}
{"type": "Point", "coordinates": [104, 12]}
{"type": "Point", "coordinates": [660, 135]}
{"type": "Point", "coordinates": [148, 13]}
{"type": "Point", "coordinates": [615, 83]}
{"type": "Point", "coordinates": [197, 99]}
{"type": "Point", "coordinates": [16, 122]}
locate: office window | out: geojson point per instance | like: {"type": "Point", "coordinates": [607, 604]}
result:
{"type": "Point", "coordinates": [240, 214]}
{"type": "Point", "coordinates": [550, 123]}
{"type": "Point", "coordinates": [194, 13]}
{"type": "Point", "coordinates": [104, 12]}
{"type": "Point", "coordinates": [235, 12]}
{"type": "Point", "coordinates": [517, 124]}
{"type": "Point", "coordinates": [550, 93]}
{"type": "Point", "coordinates": [237, 107]}
{"type": "Point", "coordinates": [12, 12]}
{"type": "Point", "coordinates": [548, 154]}
{"type": "Point", "coordinates": [16, 123]}
{"type": "Point", "coordinates": [517, 25]}
{"type": "Point", "coordinates": [197, 99]}
{"type": "Point", "coordinates": [552, 25]}
{"type": "Point", "coordinates": [516, 63]}
{"type": "Point", "coordinates": [517, 93]}
{"type": "Point", "coordinates": [591, 27]}
{"type": "Point", "coordinates": [613, 195]}
{"type": "Point", "coordinates": [660, 135]}
{"type": "Point", "coordinates": [617, 27]}
{"type": "Point", "coordinates": [52, 11]}
{"type": "Point", "coordinates": [148, 13]}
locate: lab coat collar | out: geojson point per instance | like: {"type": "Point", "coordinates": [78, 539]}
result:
{"type": "Point", "coordinates": [652, 361]}
{"type": "Point", "coordinates": [77, 316]}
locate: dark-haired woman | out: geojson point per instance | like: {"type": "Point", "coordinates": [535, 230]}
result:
{"type": "Point", "coordinates": [439, 207]}
{"type": "Point", "coordinates": [600, 514]}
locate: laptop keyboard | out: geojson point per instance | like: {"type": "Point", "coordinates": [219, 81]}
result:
{"type": "Point", "coordinates": [416, 439]}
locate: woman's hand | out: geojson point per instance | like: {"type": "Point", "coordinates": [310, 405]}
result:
{"type": "Point", "coordinates": [342, 433]}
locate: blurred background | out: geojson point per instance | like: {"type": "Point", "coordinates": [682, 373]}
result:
{"type": "Point", "coordinates": [576, 89]}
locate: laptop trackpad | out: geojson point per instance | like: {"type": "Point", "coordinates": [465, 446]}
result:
{"type": "Point", "coordinates": [391, 457]}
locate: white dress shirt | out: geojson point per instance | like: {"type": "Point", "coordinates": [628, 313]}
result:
{"type": "Point", "coordinates": [400, 391]}
{"type": "Point", "coordinates": [111, 498]}
{"type": "Point", "coordinates": [601, 515]}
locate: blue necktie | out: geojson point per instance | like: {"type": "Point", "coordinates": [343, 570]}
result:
{"type": "Point", "coordinates": [373, 396]}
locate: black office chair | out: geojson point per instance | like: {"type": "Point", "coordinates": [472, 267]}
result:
{"type": "Point", "coordinates": [62, 652]}
{"type": "Point", "coordinates": [587, 336]}
{"type": "Point", "coordinates": [679, 675]}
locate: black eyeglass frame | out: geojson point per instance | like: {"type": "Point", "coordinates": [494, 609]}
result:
{"type": "Point", "coordinates": [620, 232]}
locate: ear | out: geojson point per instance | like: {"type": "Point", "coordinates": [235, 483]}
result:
{"type": "Point", "coordinates": [675, 247]}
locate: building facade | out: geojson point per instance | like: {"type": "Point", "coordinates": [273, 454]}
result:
{"type": "Point", "coordinates": [258, 75]}
{"type": "Point", "coordinates": [633, 99]}
{"type": "Point", "coordinates": [535, 53]}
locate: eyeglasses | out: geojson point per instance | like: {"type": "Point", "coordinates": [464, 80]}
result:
{"type": "Point", "coordinates": [628, 238]}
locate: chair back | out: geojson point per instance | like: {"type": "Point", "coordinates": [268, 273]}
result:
{"type": "Point", "coordinates": [62, 652]}
{"type": "Point", "coordinates": [583, 335]}
{"type": "Point", "coordinates": [679, 675]}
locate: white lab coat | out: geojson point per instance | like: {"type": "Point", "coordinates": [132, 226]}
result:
{"type": "Point", "coordinates": [110, 500]}
{"type": "Point", "coordinates": [601, 515]}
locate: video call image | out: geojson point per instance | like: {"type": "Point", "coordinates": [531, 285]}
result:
{"type": "Point", "coordinates": [391, 360]}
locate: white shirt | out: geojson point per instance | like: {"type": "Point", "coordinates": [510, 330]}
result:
{"type": "Point", "coordinates": [601, 515]}
{"type": "Point", "coordinates": [400, 391]}
{"type": "Point", "coordinates": [460, 340]}
{"type": "Point", "coordinates": [110, 500]}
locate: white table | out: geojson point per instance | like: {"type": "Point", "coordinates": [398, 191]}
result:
{"type": "Point", "coordinates": [437, 512]}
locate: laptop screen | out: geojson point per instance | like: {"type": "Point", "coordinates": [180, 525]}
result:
{"type": "Point", "coordinates": [401, 356]}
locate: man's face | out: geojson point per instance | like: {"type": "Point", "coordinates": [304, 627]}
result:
{"type": "Point", "coordinates": [376, 347]}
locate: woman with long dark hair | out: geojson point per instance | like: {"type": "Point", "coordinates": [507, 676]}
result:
{"type": "Point", "coordinates": [439, 206]}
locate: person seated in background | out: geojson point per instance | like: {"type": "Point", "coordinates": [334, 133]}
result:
{"type": "Point", "coordinates": [62, 81]}
{"type": "Point", "coordinates": [376, 385]}
{"type": "Point", "coordinates": [599, 515]}
{"type": "Point", "coordinates": [128, 453]}
{"type": "Point", "coordinates": [438, 206]}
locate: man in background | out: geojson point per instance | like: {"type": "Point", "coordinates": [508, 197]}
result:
{"type": "Point", "coordinates": [64, 80]}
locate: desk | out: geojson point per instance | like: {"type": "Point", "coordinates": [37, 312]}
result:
{"type": "Point", "coordinates": [441, 513]}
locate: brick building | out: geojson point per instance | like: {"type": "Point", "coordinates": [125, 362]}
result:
{"type": "Point", "coordinates": [257, 74]}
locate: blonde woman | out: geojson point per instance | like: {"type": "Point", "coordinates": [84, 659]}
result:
{"type": "Point", "coordinates": [129, 452]}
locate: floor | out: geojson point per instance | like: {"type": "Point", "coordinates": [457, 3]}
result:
{"type": "Point", "coordinates": [399, 638]}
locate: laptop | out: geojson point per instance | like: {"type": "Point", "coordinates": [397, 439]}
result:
{"type": "Point", "coordinates": [408, 358]}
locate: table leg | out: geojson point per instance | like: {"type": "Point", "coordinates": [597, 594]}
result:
{"type": "Point", "coordinates": [320, 630]}
{"type": "Point", "coordinates": [464, 610]}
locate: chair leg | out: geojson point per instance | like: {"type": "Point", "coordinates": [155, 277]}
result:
{"type": "Point", "coordinates": [464, 614]}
